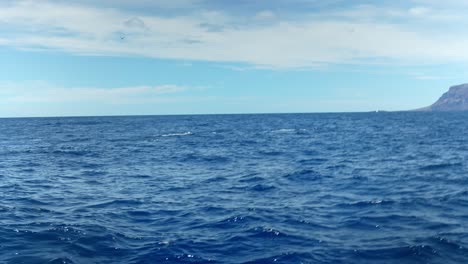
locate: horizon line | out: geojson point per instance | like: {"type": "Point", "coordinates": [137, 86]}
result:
{"type": "Point", "coordinates": [207, 114]}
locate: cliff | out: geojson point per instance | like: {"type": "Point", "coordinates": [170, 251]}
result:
{"type": "Point", "coordinates": [456, 99]}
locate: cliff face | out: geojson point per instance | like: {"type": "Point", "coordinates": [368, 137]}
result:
{"type": "Point", "coordinates": [456, 99]}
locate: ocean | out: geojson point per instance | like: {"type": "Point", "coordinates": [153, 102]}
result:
{"type": "Point", "coordinates": [268, 188]}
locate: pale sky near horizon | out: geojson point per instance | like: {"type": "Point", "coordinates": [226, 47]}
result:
{"type": "Point", "coordinates": [126, 57]}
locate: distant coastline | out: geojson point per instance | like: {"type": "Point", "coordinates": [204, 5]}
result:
{"type": "Point", "coordinates": [455, 99]}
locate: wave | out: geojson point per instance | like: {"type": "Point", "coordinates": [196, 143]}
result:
{"type": "Point", "coordinates": [416, 252]}
{"type": "Point", "coordinates": [440, 166]}
{"type": "Point", "coordinates": [209, 159]}
{"type": "Point", "coordinates": [376, 202]}
{"type": "Point", "coordinates": [288, 257]}
{"type": "Point", "coordinates": [284, 130]}
{"type": "Point", "coordinates": [177, 134]}
{"type": "Point", "coordinates": [306, 175]}
{"type": "Point", "coordinates": [290, 130]}
{"type": "Point", "coordinates": [262, 188]}
{"type": "Point", "coordinates": [357, 189]}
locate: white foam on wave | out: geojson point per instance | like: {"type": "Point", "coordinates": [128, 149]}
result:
{"type": "Point", "coordinates": [289, 130]}
{"type": "Point", "coordinates": [284, 130]}
{"type": "Point", "coordinates": [177, 134]}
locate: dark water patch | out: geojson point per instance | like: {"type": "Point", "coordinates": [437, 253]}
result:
{"type": "Point", "coordinates": [389, 218]}
{"type": "Point", "coordinates": [450, 245]}
{"type": "Point", "coordinates": [93, 182]}
{"type": "Point", "coordinates": [264, 233]}
{"type": "Point", "coordinates": [252, 179]}
{"type": "Point", "coordinates": [205, 159]}
{"type": "Point", "coordinates": [87, 165]}
{"type": "Point", "coordinates": [215, 179]}
{"type": "Point", "coordinates": [274, 233]}
{"type": "Point", "coordinates": [417, 253]}
{"type": "Point", "coordinates": [27, 170]}
{"type": "Point", "coordinates": [262, 188]}
{"type": "Point", "coordinates": [271, 153]}
{"type": "Point", "coordinates": [141, 176]}
{"type": "Point", "coordinates": [311, 152]}
{"type": "Point", "coordinates": [288, 257]}
{"type": "Point", "coordinates": [61, 260]}
{"type": "Point", "coordinates": [229, 224]}
{"type": "Point", "coordinates": [247, 142]}
{"type": "Point", "coordinates": [5, 208]}
{"type": "Point", "coordinates": [27, 165]}
{"type": "Point", "coordinates": [30, 201]}
{"type": "Point", "coordinates": [118, 140]}
{"type": "Point", "coordinates": [74, 139]}
{"type": "Point", "coordinates": [309, 225]}
{"type": "Point", "coordinates": [93, 173]}
{"type": "Point", "coordinates": [359, 178]}
{"type": "Point", "coordinates": [161, 256]}
{"type": "Point", "coordinates": [139, 213]}
{"type": "Point", "coordinates": [115, 203]}
{"type": "Point", "coordinates": [314, 161]}
{"type": "Point", "coordinates": [74, 153]}
{"type": "Point", "coordinates": [211, 209]}
{"type": "Point", "coordinates": [359, 225]}
{"type": "Point", "coordinates": [440, 166]}
{"type": "Point", "coordinates": [33, 259]}
{"type": "Point", "coordinates": [304, 176]}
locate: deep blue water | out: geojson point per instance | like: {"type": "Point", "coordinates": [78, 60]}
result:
{"type": "Point", "coordinates": [292, 188]}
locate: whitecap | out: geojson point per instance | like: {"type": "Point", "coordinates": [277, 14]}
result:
{"type": "Point", "coordinates": [284, 130]}
{"type": "Point", "coordinates": [177, 134]}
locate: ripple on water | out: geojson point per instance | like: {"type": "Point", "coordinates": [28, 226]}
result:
{"type": "Point", "coordinates": [416, 253]}
{"type": "Point", "coordinates": [262, 188]}
{"type": "Point", "coordinates": [440, 166]}
{"type": "Point", "coordinates": [303, 176]}
{"type": "Point", "coordinates": [352, 188]}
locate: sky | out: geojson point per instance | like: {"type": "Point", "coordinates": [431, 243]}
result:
{"type": "Point", "coordinates": [157, 57]}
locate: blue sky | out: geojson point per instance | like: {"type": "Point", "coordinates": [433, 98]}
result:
{"type": "Point", "coordinates": [125, 57]}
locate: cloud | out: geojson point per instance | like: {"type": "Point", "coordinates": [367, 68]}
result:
{"type": "Point", "coordinates": [426, 77]}
{"type": "Point", "coordinates": [135, 22]}
{"type": "Point", "coordinates": [419, 11]}
{"type": "Point", "coordinates": [444, 4]}
{"type": "Point", "coordinates": [140, 4]}
{"type": "Point", "coordinates": [265, 15]}
{"type": "Point", "coordinates": [358, 35]}
{"type": "Point", "coordinates": [41, 98]}
{"type": "Point", "coordinates": [43, 92]}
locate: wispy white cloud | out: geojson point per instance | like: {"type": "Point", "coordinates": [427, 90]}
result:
{"type": "Point", "coordinates": [452, 4]}
{"type": "Point", "coordinates": [41, 98]}
{"type": "Point", "coordinates": [44, 92]}
{"type": "Point", "coordinates": [427, 77]}
{"type": "Point", "coordinates": [419, 11]}
{"type": "Point", "coordinates": [362, 34]}
{"type": "Point", "coordinates": [265, 15]}
{"type": "Point", "coordinates": [125, 4]}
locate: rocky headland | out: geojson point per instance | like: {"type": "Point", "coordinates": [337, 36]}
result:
{"type": "Point", "coordinates": [456, 99]}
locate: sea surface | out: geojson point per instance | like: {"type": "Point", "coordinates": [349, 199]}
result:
{"type": "Point", "coordinates": [286, 188]}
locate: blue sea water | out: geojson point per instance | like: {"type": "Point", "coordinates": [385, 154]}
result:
{"type": "Point", "coordinates": [289, 188]}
